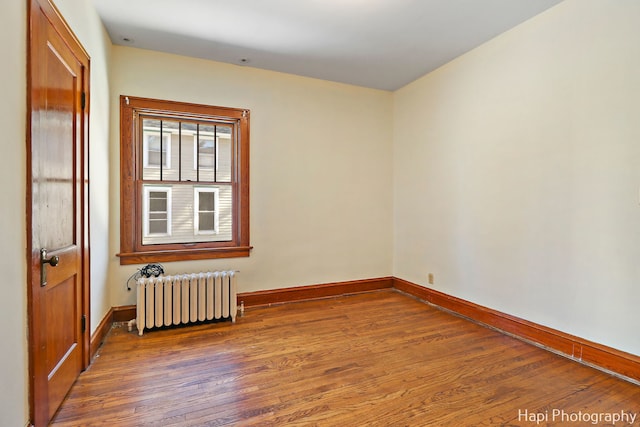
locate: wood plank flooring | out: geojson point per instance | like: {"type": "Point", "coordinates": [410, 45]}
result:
{"type": "Point", "coordinates": [374, 359]}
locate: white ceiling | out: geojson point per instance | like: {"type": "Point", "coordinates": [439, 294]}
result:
{"type": "Point", "coordinates": [381, 44]}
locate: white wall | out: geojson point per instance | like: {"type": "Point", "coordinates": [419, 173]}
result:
{"type": "Point", "coordinates": [516, 173]}
{"type": "Point", "coordinates": [321, 200]}
{"type": "Point", "coordinates": [86, 25]}
{"type": "Point", "coordinates": [14, 410]}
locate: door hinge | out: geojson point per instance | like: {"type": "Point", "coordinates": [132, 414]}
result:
{"type": "Point", "coordinates": [83, 100]}
{"type": "Point", "coordinates": [83, 323]}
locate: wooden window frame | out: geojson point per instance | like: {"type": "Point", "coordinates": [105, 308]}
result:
{"type": "Point", "coordinates": [132, 251]}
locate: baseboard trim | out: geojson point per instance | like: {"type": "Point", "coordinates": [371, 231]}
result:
{"type": "Point", "coordinates": [101, 331]}
{"type": "Point", "coordinates": [115, 314]}
{"type": "Point", "coordinates": [304, 293]}
{"type": "Point", "coordinates": [605, 358]}
{"type": "Point", "coordinates": [616, 362]}
{"type": "Point", "coordinates": [124, 313]}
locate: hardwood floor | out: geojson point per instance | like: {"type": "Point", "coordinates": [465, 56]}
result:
{"type": "Point", "coordinates": [374, 359]}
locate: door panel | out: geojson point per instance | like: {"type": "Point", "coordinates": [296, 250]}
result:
{"type": "Point", "coordinates": [53, 154]}
{"type": "Point", "coordinates": [63, 352]}
{"type": "Point", "coordinates": [58, 75]}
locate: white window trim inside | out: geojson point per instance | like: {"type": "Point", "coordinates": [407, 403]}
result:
{"type": "Point", "coordinates": [166, 142]}
{"type": "Point", "coordinates": [196, 210]}
{"type": "Point", "coordinates": [146, 209]}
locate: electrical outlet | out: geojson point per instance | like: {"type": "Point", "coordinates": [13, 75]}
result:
{"type": "Point", "coordinates": [431, 280]}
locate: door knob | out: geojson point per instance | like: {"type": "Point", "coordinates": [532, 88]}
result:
{"type": "Point", "coordinates": [53, 261]}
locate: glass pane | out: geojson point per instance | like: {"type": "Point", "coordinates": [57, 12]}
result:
{"type": "Point", "coordinates": [171, 135]}
{"type": "Point", "coordinates": [205, 161]}
{"type": "Point", "coordinates": [153, 158]}
{"type": "Point", "coordinates": [151, 124]}
{"type": "Point", "coordinates": [206, 156]}
{"type": "Point", "coordinates": [152, 146]}
{"type": "Point", "coordinates": [189, 152]}
{"type": "Point", "coordinates": [206, 146]}
{"type": "Point", "coordinates": [225, 213]}
{"type": "Point", "coordinates": [208, 130]}
{"type": "Point", "coordinates": [160, 141]}
{"type": "Point", "coordinates": [158, 226]}
{"type": "Point", "coordinates": [210, 216]}
{"type": "Point", "coordinates": [206, 152]}
{"type": "Point", "coordinates": [157, 204]}
{"type": "Point", "coordinates": [207, 201]}
{"type": "Point", "coordinates": [206, 221]}
{"type": "Point", "coordinates": [224, 153]}
{"type": "Point", "coordinates": [153, 143]}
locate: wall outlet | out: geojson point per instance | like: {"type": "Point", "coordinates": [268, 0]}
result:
{"type": "Point", "coordinates": [431, 280]}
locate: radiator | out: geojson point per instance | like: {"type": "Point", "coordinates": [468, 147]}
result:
{"type": "Point", "coordinates": [185, 298]}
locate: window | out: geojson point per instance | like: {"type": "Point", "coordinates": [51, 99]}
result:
{"type": "Point", "coordinates": [184, 181]}
{"type": "Point", "coordinates": [206, 218]}
{"type": "Point", "coordinates": [156, 212]}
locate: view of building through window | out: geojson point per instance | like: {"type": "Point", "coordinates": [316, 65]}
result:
{"type": "Point", "coordinates": [186, 178]}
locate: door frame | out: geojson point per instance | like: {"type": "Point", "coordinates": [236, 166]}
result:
{"type": "Point", "coordinates": [38, 401]}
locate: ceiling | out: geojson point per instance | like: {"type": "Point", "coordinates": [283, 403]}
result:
{"type": "Point", "coordinates": [382, 44]}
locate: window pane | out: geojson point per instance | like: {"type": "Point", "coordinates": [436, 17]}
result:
{"type": "Point", "coordinates": [205, 162]}
{"type": "Point", "coordinates": [154, 158]}
{"type": "Point", "coordinates": [171, 135]}
{"type": "Point", "coordinates": [206, 221]}
{"type": "Point", "coordinates": [225, 212]}
{"type": "Point", "coordinates": [205, 154]}
{"type": "Point", "coordinates": [189, 212]}
{"type": "Point", "coordinates": [213, 153]}
{"type": "Point", "coordinates": [207, 201]}
{"type": "Point", "coordinates": [152, 141]}
{"type": "Point", "coordinates": [188, 159]}
{"type": "Point", "coordinates": [224, 154]}
{"type": "Point", "coordinates": [158, 226]}
{"type": "Point", "coordinates": [206, 158]}
{"type": "Point", "coordinates": [207, 151]}
{"type": "Point", "coordinates": [160, 141]}
{"type": "Point", "coordinates": [157, 202]}
{"type": "Point", "coordinates": [206, 146]}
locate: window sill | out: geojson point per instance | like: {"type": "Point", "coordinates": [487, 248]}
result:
{"type": "Point", "coordinates": [183, 255]}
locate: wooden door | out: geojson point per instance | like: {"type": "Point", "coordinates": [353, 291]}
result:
{"type": "Point", "coordinates": [57, 198]}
